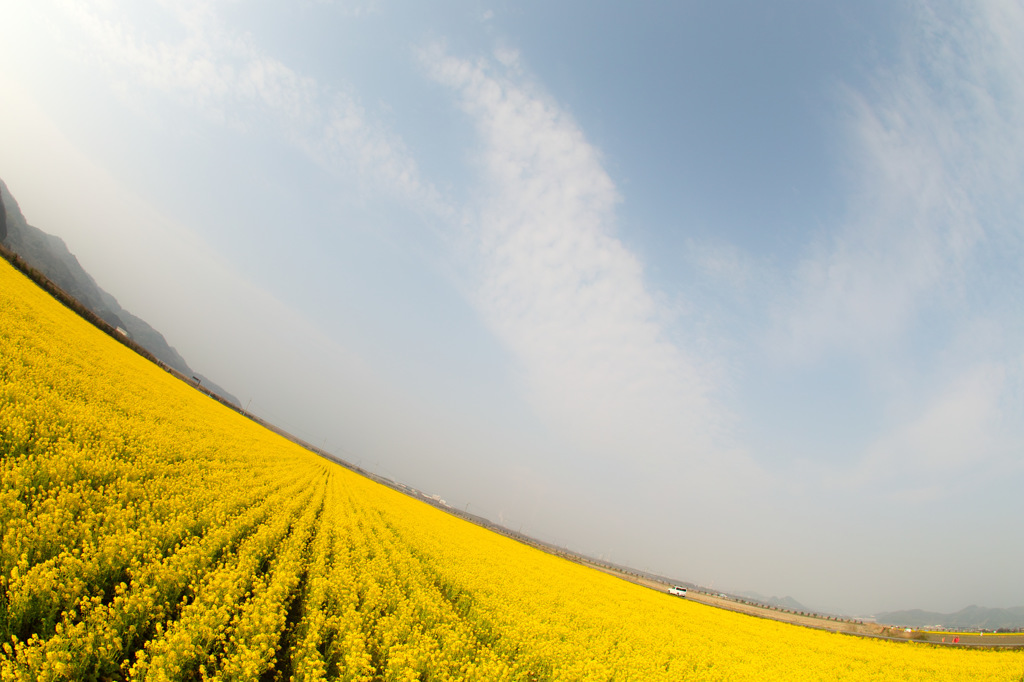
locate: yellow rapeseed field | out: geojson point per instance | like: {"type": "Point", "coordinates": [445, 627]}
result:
{"type": "Point", "coordinates": [151, 533]}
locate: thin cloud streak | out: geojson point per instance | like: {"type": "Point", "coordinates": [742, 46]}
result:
{"type": "Point", "coordinates": [934, 149]}
{"type": "Point", "coordinates": [229, 80]}
{"type": "Point", "coordinates": [561, 291]}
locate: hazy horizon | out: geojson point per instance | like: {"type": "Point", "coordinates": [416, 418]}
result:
{"type": "Point", "coordinates": [724, 291]}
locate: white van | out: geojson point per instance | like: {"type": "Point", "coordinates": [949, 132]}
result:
{"type": "Point", "coordinates": [678, 591]}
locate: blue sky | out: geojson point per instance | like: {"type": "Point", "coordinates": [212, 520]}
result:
{"type": "Point", "coordinates": [729, 291]}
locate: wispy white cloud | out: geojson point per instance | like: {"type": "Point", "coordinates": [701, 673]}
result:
{"type": "Point", "coordinates": [229, 79]}
{"type": "Point", "coordinates": [936, 145]}
{"type": "Point", "coordinates": [559, 288]}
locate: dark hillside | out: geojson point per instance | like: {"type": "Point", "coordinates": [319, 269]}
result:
{"type": "Point", "coordinates": [971, 617]}
{"type": "Point", "coordinates": [50, 256]}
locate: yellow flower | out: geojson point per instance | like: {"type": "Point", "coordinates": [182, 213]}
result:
{"type": "Point", "coordinates": [153, 533]}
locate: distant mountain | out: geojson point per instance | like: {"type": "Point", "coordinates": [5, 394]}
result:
{"type": "Point", "coordinates": [50, 255]}
{"type": "Point", "coordinates": [787, 603]}
{"type": "Point", "coordinates": [976, 617]}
